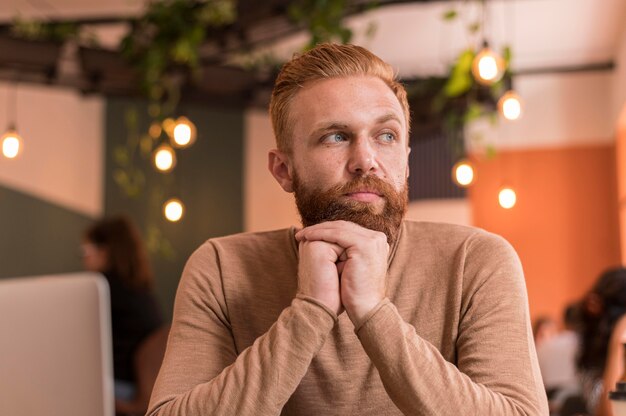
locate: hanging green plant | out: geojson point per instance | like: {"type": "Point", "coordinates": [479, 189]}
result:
{"type": "Point", "coordinates": [166, 42]}
{"type": "Point", "coordinates": [34, 30]}
{"type": "Point", "coordinates": [322, 18]}
{"type": "Point", "coordinates": [460, 79]}
{"type": "Point", "coordinates": [163, 46]}
{"type": "Point", "coordinates": [462, 99]}
{"type": "Point", "coordinates": [127, 174]}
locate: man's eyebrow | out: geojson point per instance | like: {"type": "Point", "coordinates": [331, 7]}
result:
{"type": "Point", "coordinates": [333, 125]}
{"type": "Point", "coordinates": [388, 117]}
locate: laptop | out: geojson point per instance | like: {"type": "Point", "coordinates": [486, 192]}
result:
{"type": "Point", "coordinates": [55, 346]}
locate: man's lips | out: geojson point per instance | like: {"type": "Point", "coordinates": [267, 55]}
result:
{"type": "Point", "coordinates": [364, 195]}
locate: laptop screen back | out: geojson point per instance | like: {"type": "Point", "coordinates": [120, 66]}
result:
{"type": "Point", "coordinates": [55, 346]}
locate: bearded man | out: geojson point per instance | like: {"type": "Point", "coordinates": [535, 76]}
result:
{"type": "Point", "coordinates": [436, 317]}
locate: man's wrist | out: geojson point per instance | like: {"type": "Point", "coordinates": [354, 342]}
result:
{"type": "Point", "coordinates": [319, 303]}
{"type": "Point", "coordinates": [360, 311]}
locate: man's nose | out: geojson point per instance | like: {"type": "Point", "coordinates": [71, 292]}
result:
{"type": "Point", "coordinates": [362, 156]}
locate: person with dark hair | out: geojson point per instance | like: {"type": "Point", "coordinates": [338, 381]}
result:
{"type": "Point", "coordinates": [360, 312]}
{"type": "Point", "coordinates": [602, 330]}
{"type": "Point", "coordinates": [113, 247]}
{"type": "Point", "coordinates": [571, 316]}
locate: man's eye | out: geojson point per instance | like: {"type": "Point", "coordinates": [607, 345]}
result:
{"type": "Point", "coordinates": [387, 137]}
{"type": "Point", "coordinates": [334, 138]}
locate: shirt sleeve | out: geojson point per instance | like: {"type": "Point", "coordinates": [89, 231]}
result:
{"type": "Point", "coordinates": [203, 374]}
{"type": "Point", "coordinates": [496, 372]}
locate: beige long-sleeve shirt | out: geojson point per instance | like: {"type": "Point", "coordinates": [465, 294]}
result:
{"type": "Point", "coordinates": [452, 338]}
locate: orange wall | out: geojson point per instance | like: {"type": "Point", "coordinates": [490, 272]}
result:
{"type": "Point", "coordinates": [565, 224]}
{"type": "Point", "coordinates": [621, 180]}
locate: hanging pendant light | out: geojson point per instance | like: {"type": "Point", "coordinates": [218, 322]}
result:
{"type": "Point", "coordinates": [184, 133]}
{"type": "Point", "coordinates": [510, 105]}
{"type": "Point", "coordinates": [11, 143]}
{"type": "Point", "coordinates": [173, 209]}
{"type": "Point", "coordinates": [164, 158]}
{"type": "Point", "coordinates": [463, 173]}
{"type": "Point", "coordinates": [487, 67]}
{"type": "Point", "coordinates": [507, 198]}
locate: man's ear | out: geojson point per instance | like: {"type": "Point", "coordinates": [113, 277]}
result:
{"type": "Point", "coordinates": [280, 167]}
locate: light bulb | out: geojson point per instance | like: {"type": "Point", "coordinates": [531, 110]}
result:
{"type": "Point", "coordinates": [184, 133]}
{"type": "Point", "coordinates": [11, 144]}
{"type": "Point", "coordinates": [155, 130]}
{"type": "Point", "coordinates": [173, 209]}
{"type": "Point", "coordinates": [164, 158]}
{"type": "Point", "coordinates": [463, 173]}
{"type": "Point", "coordinates": [510, 105]}
{"type": "Point", "coordinates": [507, 198]}
{"type": "Point", "coordinates": [168, 125]}
{"type": "Point", "coordinates": [487, 67]}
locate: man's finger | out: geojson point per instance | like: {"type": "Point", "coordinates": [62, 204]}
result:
{"type": "Point", "coordinates": [345, 238]}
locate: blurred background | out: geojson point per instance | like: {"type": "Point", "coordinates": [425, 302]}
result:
{"type": "Point", "coordinates": [120, 106]}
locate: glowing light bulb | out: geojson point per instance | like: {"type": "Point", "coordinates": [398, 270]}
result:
{"type": "Point", "coordinates": [173, 209]}
{"type": "Point", "coordinates": [155, 130]}
{"type": "Point", "coordinates": [510, 105]}
{"type": "Point", "coordinates": [164, 158]}
{"type": "Point", "coordinates": [487, 67]}
{"type": "Point", "coordinates": [507, 198]}
{"type": "Point", "coordinates": [168, 125]}
{"type": "Point", "coordinates": [11, 144]}
{"type": "Point", "coordinates": [184, 133]}
{"type": "Point", "coordinates": [463, 173]}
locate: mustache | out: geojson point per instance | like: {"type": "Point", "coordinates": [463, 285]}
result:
{"type": "Point", "coordinates": [367, 183]}
{"type": "Point", "coordinates": [317, 205]}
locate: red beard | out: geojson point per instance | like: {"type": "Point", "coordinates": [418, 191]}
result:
{"type": "Point", "coordinates": [317, 206]}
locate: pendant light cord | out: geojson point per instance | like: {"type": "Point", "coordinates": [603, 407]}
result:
{"type": "Point", "coordinates": [11, 105]}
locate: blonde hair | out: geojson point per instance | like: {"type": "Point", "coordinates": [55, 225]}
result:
{"type": "Point", "coordinates": [326, 61]}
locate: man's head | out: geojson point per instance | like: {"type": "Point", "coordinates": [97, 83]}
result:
{"type": "Point", "coordinates": [324, 62]}
{"type": "Point", "coordinates": [341, 124]}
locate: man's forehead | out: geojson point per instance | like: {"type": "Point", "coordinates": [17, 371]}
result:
{"type": "Point", "coordinates": [333, 83]}
{"type": "Point", "coordinates": [330, 98]}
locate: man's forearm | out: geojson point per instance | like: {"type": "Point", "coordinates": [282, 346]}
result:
{"type": "Point", "coordinates": [420, 381]}
{"type": "Point", "coordinates": [261, 379]}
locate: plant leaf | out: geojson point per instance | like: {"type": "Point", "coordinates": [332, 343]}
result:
{"type": "Point", "coordinates": [371, 30]}
{"type": "Point", "coordinates": [145, 145]}
{"type": "Point", "coordinates": [458, 84]}
{"type": "Point", "coordinates": [450, 15]}
{"type": "Point", "coordinates": [474, 111]}
{"type": "Point", "coordinates": [121, 156]}
{"type": "Point", "coordinates": [474, 27]}
{"type": "Point", "coordinates": [490, 151]}
{"type": "Point", "coordinates": [506, 53]}
{"type": "Point", "coordinates": [460, 80]}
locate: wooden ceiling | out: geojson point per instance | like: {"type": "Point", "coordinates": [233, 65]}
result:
{"type": "Point", "coordinates": [93, 70]}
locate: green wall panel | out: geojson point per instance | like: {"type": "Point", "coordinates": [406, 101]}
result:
{"type": "Point", "coordinates": [208, 178]}
{"type": "Point", "coordinates": [38, 237]}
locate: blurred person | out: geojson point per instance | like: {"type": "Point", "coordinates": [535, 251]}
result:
{"type": "Point", "coordinates": [602, 331]}
{"type": "Point", "coordinates": [113, 247]}
{"type": "Point", "coordinates": [557, 359]}
{"type": "Point", "coordinates": [360, 312]}
{"type": "Point", "coordinates": [544, 329]}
